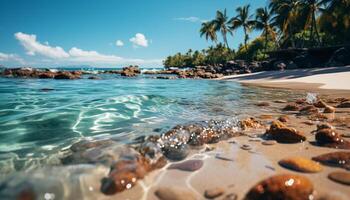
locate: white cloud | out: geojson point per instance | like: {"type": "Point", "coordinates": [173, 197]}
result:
{"type": "Point", "coordinates": [190, 19]}
{"type": "Point", "coordinates": [32, 46]}
{"type": "Point", "coordinates": [57, 55]}
{"type": "Point", "coordinates": [10, 57]}
{"type": "Point", "coordinates": [139, 40]}
{"type": "Point", "coordinates": [119, 43]}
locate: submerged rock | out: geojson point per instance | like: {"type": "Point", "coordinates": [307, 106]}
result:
{"type": "Point", "coordinates": [283, 134]}
{"type": "Point", "coordinates": [189, 165]}
{"type": "Point", "coordinates": [283, 186]}
{"type": "Point", "coordinates": [337, 159]}
{"type": "Point", "coordinates": [213, 193]}
{"type": "Point", "coordinates": [174, 193]}
{"type": "Point", "coordinates": [340, 177]}
{"type": "Point", "coordinates": [301, 164]}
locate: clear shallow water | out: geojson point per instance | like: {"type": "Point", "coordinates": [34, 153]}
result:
{"type": "Point", "coordinates": [40, 117]}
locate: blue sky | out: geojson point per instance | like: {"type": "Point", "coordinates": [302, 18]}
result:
{"type": "Point", "coordinates": [48, 33]}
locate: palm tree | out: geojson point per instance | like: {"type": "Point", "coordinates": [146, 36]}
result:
{"type": "Point", "coordinates": [287, 13]}
{"type": "Point", "coordinates": [243, 19]}
{"type": "Point", "coordinates": [221, 24]}
{"type": "Point", "coordinates": [311, 8]}
{"type": "Point", "coordinates": [208, 30]}
{"type": "Point", "coordinates": [263, 21]}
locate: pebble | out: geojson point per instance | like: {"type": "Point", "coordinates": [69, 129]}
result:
{"type": "Point", "coordinates": [231, 196]}
{"type": "Point", "coordinates": [280, 101]}
{"type": "Point", "coordinates": [189, 165]}
{"type": "Point", "coordinates": [301, 164]}
{"type": "Point", "coordinates": [283, 134]}
{"type": "Point", "coordinates": [345, 104]}
{"type": "Point", "coordinates": [337, 159]}
{"type": "Point", "coordinates": [255, 140]}
{"type": "Point", "coordinates": [220, 157]}
{"type": "Point", "coordinates": [282, 186]}
{"type": "Point", "coordinates": [340, 177]}
{"type": "Point", "coordinates": [174, 193]}
{"type": "Point", "coordinates": [178, 152]}
{"type": "Point", "coordinates": [292, 107]}
{"type": "Point", "coordinates": [246, 147]}
{"type": "Point", "coordinates": [269, 142]}
{"type": "Point", "coordinates": [283, 118]}
{"type": "Point", "coordinates": [213, 193]}
{"type": "Point", "coordinates": [347, 135]}
{"type": "Point", "coordinates": [262, 104]}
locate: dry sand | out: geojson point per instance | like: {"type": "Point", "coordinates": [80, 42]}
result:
{"type": "Point", "coordinates": [334, 78]}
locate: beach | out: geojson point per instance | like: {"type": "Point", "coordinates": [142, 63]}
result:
{"type": "Point", "coordinates": [333, 78]}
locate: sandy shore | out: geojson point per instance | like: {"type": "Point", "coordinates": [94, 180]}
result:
{"type": "Point", "coordinates": [334, 78]}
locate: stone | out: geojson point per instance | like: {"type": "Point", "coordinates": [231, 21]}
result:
{"type": "Point", "coordinates": [176, 152]}
{"type": "Point", "coordinates": [330, 138]}
{"type": "Point", "coordinates": [320, 104]}
{"type": "Point", "coordinates": [230, 196]}
{"type": "Point", "coordinates": [307, 110]}
{"type": "Point", "coordinates": [329, 109]}
{"type": "Point", "coordinates": [269, 142]}
{"type": "Point", "coordinates": [250, 123]}
{"type": "Point", "coordinates": [317, 117]}
{"type": "Point", "coordinates": [340, 177]}
{"type": "Point", "coordinates": [279, 101]}
{"type": "Point", "coordinates": [282, 186]}
{"type": "Point", "coordinates": [283, 118]}
{"type": "Point", "coordinates": [291, 107]}
{"type": "Point", "coordinates": [213, 193]}
{"type": "Point", "coordinates": [283, 134]}
{"type": "Point", "coordinates": [263, 104]}
{"type": "Point", "coordinates": [346, 135]}
{"type": "Point", "coordinates": [324, 126]}
{"type": "Point", "coordinates": [345, 104]}
{"type": "Point", "coordinates": [45, 75]}
{"type": "Point", "coordinates": [301, 164]}
{"type": "Point", "coordinates": [94, 78]}
{"type": "Point", "coordinates": [66, 75]}
{"type": "Point", "coordinates": [246, 147]}
{"type": "Point", "coordinates": [189, 165]}
{"type": "Point", "coordinates": [337, 159]}
{"type": "Point", "coordinates": [174, 193]}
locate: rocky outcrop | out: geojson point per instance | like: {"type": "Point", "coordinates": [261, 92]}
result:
{"type": "Point", "coordinates": [27, 72]}
{"type": "Point", "coordinates": [130, 71]}
{"type": "Point", "coordinates": [283, 134]}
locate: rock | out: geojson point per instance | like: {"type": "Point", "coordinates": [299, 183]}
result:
{"type": "Point", "coordinates": [330, 138]}
{"type": "Point", "coordinates": [94, 78]}
{"type": "Point", "coordinates": [174, 193]}
{"type": "Point", "coordinates": [269, 142]}
{"type": "Point", "coordinates": [307, 110]}
{"type": "Point", "coordinates": [45, 75]}
{"type": "Point", "coordinates": [280, 101]}
{"type": "Point", "coordinates": [320, 104]}
{"type": "Point", "coordinates": [66, 75]}
{"type": "Point", "coordinates": [291, 107]}
{"type": "Point", "coordinates": [281, 133]}
{"type": "Point", "coordinates": [231, 196]}
{"type": "Point", "coordinates": [340, 177]}
{"type": "Point", "coordinates": [337, 159]}
{"type": "Point", "coordinates": [347, 135]}
{"type": "Point", "coordinates": [246, 147]}
{"type": "Point", "coordinates": [177, 152]}
{"type": "Point", "coordinates": [283, 118]}
{"type": "Point", "coordinates": [250, 123]}
{"type": "Point", "coordinates": [324, 126]}
{"type": "Point", "coordinates": [329, 109]}
{"type": "Point", "coordinates": [301, 164]}
{"type": "Point", "coordinates": [317, 117]}
{"type": "Point", "coordinates": [262, 104]}
{"type": "Point", "coordinates": [213, 193]}
{"type": "Point", "coordinates": [189, 165]}
{"type": "Point", "coordinates": [130, 71]}
{"type": "Point", "coordinates": [283, 186]}
{"type": "Point", "coordinates": [344, 105]}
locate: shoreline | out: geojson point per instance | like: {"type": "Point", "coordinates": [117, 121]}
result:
{"type": "Point", "coordinates": [323, 80]}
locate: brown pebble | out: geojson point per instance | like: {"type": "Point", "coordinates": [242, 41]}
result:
{"type": "Point", "coordinates": [301, 164]}
{"type": "Point", "coordinates": [345, 104]}
{"type": "Point", "coordinates": [281, 133]}
{"type": "Point", "coordinates": [231, 196]}
{"type": "Point", "coordinates": [337, 159]}
{"type": "Point", "coordinates": [246, 147]}
{"type": "Point", "coordinates": [213, 193]}
{"type": "Point", "coordinates": [283, 118]}
{"type": "Point", "coordinates": [280, 101]}
{"type": "Point", "coordinates": [347, 135]}
{"type": "Point", "coordinates": [263, 104]}
{"type": "Point", "coordinates": [269, 142]}
{"type": "Point", "coordinates": [291, 107]}
{"type": "Point", "coordinates": [340, 177]}
{"type": "Point", "coordinates": [174, 193]}
{"type": "Point", "coordinates": [189, 165]}
{"type": "Point", "coordinates": [282, 186]}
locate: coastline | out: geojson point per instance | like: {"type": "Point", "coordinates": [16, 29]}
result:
{"type": "Point", "coordinates": [323, 80]}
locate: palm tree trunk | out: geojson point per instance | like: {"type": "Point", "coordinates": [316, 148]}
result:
{"type": "Point", "coordinates": [265, 43]}
{"type": "Point", "coordinates": [225, 40]}
{"type": "Point", "coordinates": [245, 42]}
{"type": "Point", "coordinates": [316, 30]}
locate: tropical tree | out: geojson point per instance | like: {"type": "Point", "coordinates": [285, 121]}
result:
{"type": "Point", "coordinates": [208, 30]}
{"type": "Point", "coordinates": [244, 20]}
{"type": "Point", "coordinates": [221, 24]}
{"type": "Point", "coordinates": [287, 18]}
{"type": "Point", "coordinates": [263, 21]}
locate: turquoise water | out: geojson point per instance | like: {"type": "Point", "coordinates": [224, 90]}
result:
{"type": "Point", "coordinates": [40, 117]}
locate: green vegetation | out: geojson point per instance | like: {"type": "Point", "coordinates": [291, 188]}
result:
{"type": "Point", "coordinates": [283, 24]}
